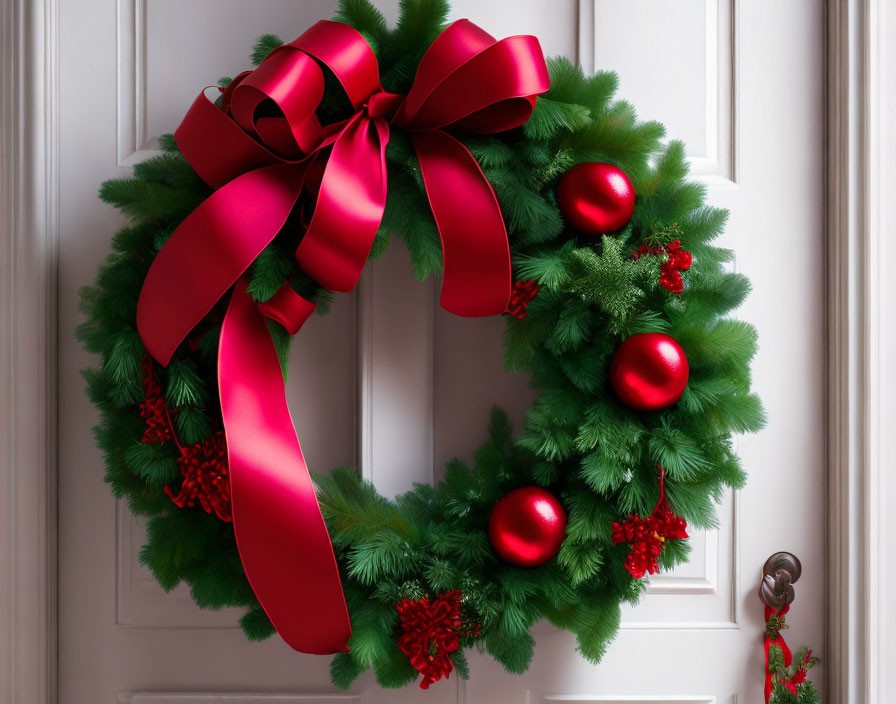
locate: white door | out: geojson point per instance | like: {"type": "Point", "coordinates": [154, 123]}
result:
{"type": "Point", "coordinates": [393, 383]}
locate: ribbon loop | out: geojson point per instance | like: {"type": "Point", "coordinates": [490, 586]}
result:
{"type": "Point", "coordinates": [466, 72]}
{"type": "Point", "coordinates": [200, 136]}
{"type": "Point", "coordinates": [347, 54]}
{"type": "Point", "coordinates": [294, 84]}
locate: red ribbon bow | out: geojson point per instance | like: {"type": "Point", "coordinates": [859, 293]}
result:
{"type": "Point", "coordinates": [260, 160]}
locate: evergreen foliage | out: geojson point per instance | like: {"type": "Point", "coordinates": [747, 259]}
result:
{"type": "Point", "coordinates": [804, 691]}
{"type": "Point", "coordinates": [598, 456]}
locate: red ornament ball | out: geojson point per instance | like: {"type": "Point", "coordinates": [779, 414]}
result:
{"type": "Point", "coordinates": [596, 198]}
{"type": "Point", "coordinates": [527, 526]}
{"type": "Point", "coordinates": [649, 371]}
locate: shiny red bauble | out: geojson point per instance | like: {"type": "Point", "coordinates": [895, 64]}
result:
{"type": "Point", "coordinates": [527, 526]}
{"type": "Point", "coordinates": [596, 198]}
{"type": "Point", "coordinates": [649, 371]}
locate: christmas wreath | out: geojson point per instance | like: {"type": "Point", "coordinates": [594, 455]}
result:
{"type": "Point", "coordinates": [536, 194]}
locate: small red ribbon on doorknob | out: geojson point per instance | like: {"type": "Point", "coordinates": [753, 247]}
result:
{"type": "Point", "coordinates": [261, 150]}
{"type": "Point", "coordinates": [774, 637]}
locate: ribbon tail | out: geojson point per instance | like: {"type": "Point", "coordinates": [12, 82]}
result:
{"type": "Point", "coordinates": [209, 251]}
{"type": "Point", "coordinates": [476, 278]}
{"type": "Point", "coordinates": [770, 676]}
{"type": "Point", "coordinates": [349, 206]}
{"type": "Point", "coordinates": [788, 656]}
{"type": "Point", "coordinates": [280, 532]}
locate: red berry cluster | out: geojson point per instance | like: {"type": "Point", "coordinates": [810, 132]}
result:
{"type": "Point", "coordinates": [678, 261]}
{"type": "Point", "coordinates": [431, 631]}
{"type": "Point", "coordinates": [205, 477]}
{"type": "Point", "coordinates": [153, 409]}
{"type": "Point", "coordinates": [648, 536]}
{"type": "Point", "coordinates": [203, 467]}
{"type": "Point", "coordinates": [522, 293]}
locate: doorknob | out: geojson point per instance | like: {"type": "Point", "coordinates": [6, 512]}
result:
{"type": "Point", "coordinates": [779, 573]}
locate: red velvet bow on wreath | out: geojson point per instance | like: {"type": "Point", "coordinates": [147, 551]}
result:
{"type": "Point", "coordinates": [261, 150]}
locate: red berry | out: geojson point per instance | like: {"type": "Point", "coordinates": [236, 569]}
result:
{"type": "Point", "coordinates": [673, 282]}
{"type": "Point", "coordinates": [683, 260]}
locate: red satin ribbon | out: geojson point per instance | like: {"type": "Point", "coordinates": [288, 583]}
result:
{"type": "Point", "coordinates": [261, 150]}
{"type": "Point", "coordinates": [275, 509]}
{"type": "Point", "coordinates": [769, 642]}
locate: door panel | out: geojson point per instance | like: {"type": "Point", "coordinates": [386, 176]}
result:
{"type": "Point", "coordinates": [391, 382]}
{"type": "Point", "coordinates": [687, 81]}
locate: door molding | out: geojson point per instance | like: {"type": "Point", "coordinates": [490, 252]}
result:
{"type": "Point", "coordinates": [860, 388]}
{"type": "Point", "coordinates": [28, 236]}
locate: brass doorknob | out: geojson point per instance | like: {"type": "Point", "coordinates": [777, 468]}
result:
{"type": "Point", "coordinates": [781, 570]}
